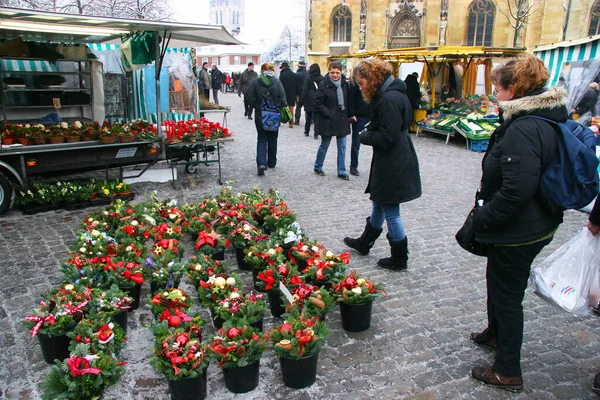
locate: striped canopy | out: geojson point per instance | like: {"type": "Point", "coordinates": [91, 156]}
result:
{"type": "Point", "coordinates": [27, 66]}
{"type": "Point", "coordinates": [555, 55]}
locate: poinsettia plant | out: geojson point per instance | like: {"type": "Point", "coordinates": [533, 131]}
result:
{"type": "Point", "coordinates": [237, 346]}
{"type": "Point", "coordinates": [201, 267]}
{"type": "Point", "coordinates": [354, 289]}
{"type": "Point", "coordinates": [298, 337]}
{"type": "Point", "coordinates": [60, 310]}
{"type": "Point", "coordinates": [169, 299]}
{"type": "Point", "coordinates": [217, 288]}
{"type": "Point", "coordinates": [101, 334]}
{"type": "Point", "coordinates": [238, 305]}
{"type": "Point", "coordinates": [83, 375]}
{"type": "Point", "coordinates": [180, 355]}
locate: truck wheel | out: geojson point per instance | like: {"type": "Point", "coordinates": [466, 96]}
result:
{"type": "Point", "coordinates": [6, 191]}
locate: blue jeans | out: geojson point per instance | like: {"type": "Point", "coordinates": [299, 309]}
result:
{"type": "Point", "coordinates": [358, 126]}
{"type": "Point", "coordinates": [391, 213]}
{"type": "Point", "coordinates": [341, 154]}
{"type": "Point", "coordinates": [266, 145]}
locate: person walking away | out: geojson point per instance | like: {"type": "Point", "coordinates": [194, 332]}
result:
{"type": "Point", "coordinates": [331, 105]}
{"type": "Point", "coordinates": [394, 177]}
{"type": "Point", "coordinates": [216, 79]}
{"type": "Point", "coordinates": [307, 98]}
{"type": "Point", "coordinates": [413, 91]}
{"type": "Point", "coordinates": [235, 79]}
{"type": "Point", "coordinates": [358, 109]}
{"type": "Point", "coordinates": [206, 81]}
{"type": "Point", "coordinates": [227, 82]}
{"type": "Point", "coordinates": [514, 221]}
{"type": "Point", "coordinates": [301, 75]}
{"type": "Point", "coordinates": [259, 92]}
{"type": "Point", "coordinates": [290, 85]}
{"type": "Point", "coordinates": [245, 83]}
{"type": "Point", "coordinates": [587, 103]}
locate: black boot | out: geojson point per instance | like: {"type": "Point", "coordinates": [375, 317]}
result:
{"type": "Point", "coordinates": [364, 243]}
{"type": "Point", "coordinates": [398, 260]}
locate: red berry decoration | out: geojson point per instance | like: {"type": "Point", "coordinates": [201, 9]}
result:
{"type": "Point", "coordinates": [174, 320]}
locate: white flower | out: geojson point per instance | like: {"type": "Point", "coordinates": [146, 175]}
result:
{"type": "Point", "coordinates": [329, 254]}
{"type": "Point", "coordinates": [304, 248]}
{"type": "Point", "coordinates": [77, 124]}
{"type": "Point", "coordinates": [134, 223]}
{"type": "Point", "coordinates": [27, 126]}
{"type": "Point", "coordinates": [82, 250]}
{"type": "Point", "coordinates": [64, 125]}
{"type": "Point", "coordinates": [314, 248]}
{"type": "Point", "coordinates": [95, 233]}
{"type": "Point", "coordinates": [271, 251]}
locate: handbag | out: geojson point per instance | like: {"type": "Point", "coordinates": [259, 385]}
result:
{"type": "Point", "coordinates": [466, 236]}
{"type": "Point", "coordinates": [271, 116]}
{"type": "Point", "coordinates": [286, 115]}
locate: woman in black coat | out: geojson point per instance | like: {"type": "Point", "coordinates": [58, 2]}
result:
{"type": "Point", "coordinates": [289, 80]}
{"type": "Point", "coordinates": [513, 220]}
{"type": "Point", "coordinates": [307, 98]}
{"type": "Point", "coordinates": [394, 177]}
{"type": "Point", "coordinates": [331, 105]}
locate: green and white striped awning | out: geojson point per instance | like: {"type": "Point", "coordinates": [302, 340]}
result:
{"type": "Point", "coordinates": [27, 66]}
{"type": "Point", "coordinates": [555, 55]}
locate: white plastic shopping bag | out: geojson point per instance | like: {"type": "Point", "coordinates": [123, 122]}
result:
{"type": "Point", "coordinates": [564, 278]}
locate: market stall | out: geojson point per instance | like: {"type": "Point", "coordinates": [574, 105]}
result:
{"type": "Point", "coordinates": [43, 27]}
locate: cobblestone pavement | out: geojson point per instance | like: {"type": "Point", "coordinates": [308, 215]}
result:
{"type": "Point", "coordinates": [418, 344]}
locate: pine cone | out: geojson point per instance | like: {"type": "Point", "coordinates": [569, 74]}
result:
{"type": "Point", "coordinates": [240, 351]}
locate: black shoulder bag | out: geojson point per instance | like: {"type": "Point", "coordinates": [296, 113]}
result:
{"type": "Point", "coordinates": [466, 234]}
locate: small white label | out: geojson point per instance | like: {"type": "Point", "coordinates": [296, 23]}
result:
{"type": "Point", "coordinates": [126, 152]}
{"type": "Point", "coordinates": [286, 292]}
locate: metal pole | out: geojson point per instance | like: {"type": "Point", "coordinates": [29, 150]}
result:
{"type": "Point", "coordinates": [157, 68]}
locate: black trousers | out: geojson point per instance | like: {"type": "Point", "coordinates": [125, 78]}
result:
{"type": "Point", "coordinates": [207, 94]}
{"type": "Point", "coordinates": [309, 119]}
{"type": "Point", "coordinates": [507, 273]}
{"type": "Point", "coordinates": [247, 108]}
{"type": "Point", "coordinates": [298, 113]}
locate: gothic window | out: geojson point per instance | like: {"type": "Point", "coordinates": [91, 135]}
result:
{"type": "Point", "coordinates": [220, 18]}
{"type": "Point", "coordinates": [481, 23]}
{"type": "Point", "coordinates": [595, 19]}
{"type": "Point", "coordinates": [342, 24]}
{"type": "Point", "coordinates": [404, 31]}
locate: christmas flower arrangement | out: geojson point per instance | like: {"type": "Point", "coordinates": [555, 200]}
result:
{"type": "Point", "coordinates": [164, 271]}
{"type": "Point", "coordinates": [180, 355]}
{"type": "Point", "coordinates": [326, 267]}
{"type": "Point", "coordinates": [311, 301]}
{"type": "Point", "coordinates": [103, 271]}
{"type": "Point", "coordinates": [169, 299]}
{"type": "Point", "coordinates": [192, 324]}
{"type": "Point", "coordinates": [245, 235]}
{"type": "Point", "coordinates": [303, 250]}
{"type": "Point", "coordinates": [202, 267]}
{"type": "Point", "coordinates": [109, 301]}
{"type": "Point", "coordinates": [217, 288]}
{"type": "Point", "coordinates": [298, 337]}
{"type": "Point", "coordinates": [101, 334]}
{"type": "Point", "coordinates": [82, 376]}
{"type": "Point", "coordinates": [263, 255]}
{"type": "Point", "coordinates": [60, 311]}
{"type": "Point", "coordinates": [288, 236]}
{"type": "Point", "coordinates": [237, 346]}
{"type": "Point", "coordinates": [238, 305]}
{"type": "Point", "coordinates": [210, 242]}
{"type": "Point", "coordinates": [259, 202]}
{"type": "Point", "coordinates": [161, 247]}
{"type": "Point", "coordinates": [131, 230]}
{"type": "Point", "coordinates": [354, 289]}
{"type": "Point", "coordinates": [158, 211]}
{"type": "Point", "coordinates": [286, 273]}
{"type": "Point", "coordinates": [166, 231]}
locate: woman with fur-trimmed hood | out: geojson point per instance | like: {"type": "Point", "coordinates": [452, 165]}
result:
{"type": "Point", "coordinates": [514, 221]}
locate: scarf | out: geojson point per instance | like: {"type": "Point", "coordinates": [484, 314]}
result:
{"type": "Point", "coordinates": [340, 93]}
{"type": "Point", "coordinates": [269, 73]}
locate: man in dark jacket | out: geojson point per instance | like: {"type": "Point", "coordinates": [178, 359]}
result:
{"type": "Point", "coordinates": [290, 85]}
{"type": "Point", "coordinates": [307, 98]}
{"type": "Point", "coordinates": [216, 80]}
{"type": "Point", "coordinates": [588, 102]}
{"type": "Point", "coordinates": [358, 110]}
{"type": "Point", "coordinates": [413, 90]}
{"type": "Point", "coordinates": [301, 75]}
{"type": "Point", "coordinates": [245, 82]}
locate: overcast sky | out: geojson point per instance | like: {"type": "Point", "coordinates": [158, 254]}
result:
{"type": "Point", "coordinates": [265, 20]}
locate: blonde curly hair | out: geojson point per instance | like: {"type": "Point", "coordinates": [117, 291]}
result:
{"type": "Point", "coordinates": [375, 71]}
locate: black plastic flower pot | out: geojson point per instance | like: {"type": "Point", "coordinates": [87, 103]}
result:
{"type": "Point", "coordinates": [155, 288]}
{"type": "Point", "coordinates": [276, 304]}
{"type": "Point", "coordinates": [242, 264]}
{"type": "Point", "coordinates": [121, 319]}
{"type": "Point", "coordinates": [134, 292]}
{"type": "Point", "coordinates": [54, 347]}
{"type": "Point", "coordinates": [258, 324]}
{"type": "Point", "coordinates": [189, 388]}
{"type": "Point", "coordinates": [299, 373]}
{"type": "Point", "coordinates": [242, 379]}
{"type": "Point", "coordinates": [217, 322]}
{"type": "Point", "coordinates": [194, 237]}
{"type": "Point", "coordinates": [356, 317]}
{"type": "Point", "coordinates": [256, 280]}
{"type": "Point", "coordinates": [219, 255]}
{"type": "Point", "coordinates": [300, 263]}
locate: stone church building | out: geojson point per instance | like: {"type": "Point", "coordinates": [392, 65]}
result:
{"type": "Point", "coordinates": [338, 27]}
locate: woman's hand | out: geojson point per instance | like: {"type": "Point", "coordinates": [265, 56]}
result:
{"type": "Point", "coordinates": [593, 228]}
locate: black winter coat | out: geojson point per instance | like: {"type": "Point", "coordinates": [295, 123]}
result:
{"type": "Point", "coordinates": [301, 75]}
{"type": "Point", "coordinates": [309, 91]}
{"type": "Point", "coordinates": [588, 102]}
{"type": "Point", "coordinates": [413, 91]}
{"type": "Point", "coordinates": [290, 85]}
{"type": "Point", "coordinates": [331, 120]}
{"type": "Point", "coordinates": [357, 106]}
{"type": "Point", "coordinates": [216, 77]}
{"type": "Point", "coordinates": [513, 212]}
{"type": "Point", "coordinates": [246, 79]}
{"type": "Point", "coordinates": [394, 177]}
{"type": "Point", "coordinates": [259, 91]}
